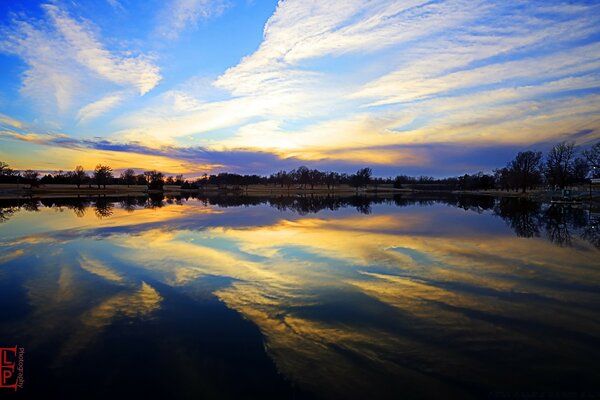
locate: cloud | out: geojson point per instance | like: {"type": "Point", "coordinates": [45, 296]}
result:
{"type": "Point", "coordinates": [382, 82]}
{"type": "Point", "coordinates": [421, 72]}
{"type": "Point", "coordinates": [137, 72]}
{"type": "Point", "coordinates": [116, 5]}
{"type": "Point", "coordinates": [67, 62]}
{"type": "Point", "coordinates": [99, 107]}
{"type": "Point", "coordinates": [10, 121]}
{"type": "Point", "coordinates": [179, 15]}
{"type": "Point", "coordinates": [303, 30]}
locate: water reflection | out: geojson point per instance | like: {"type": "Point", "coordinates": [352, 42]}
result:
{"type": "Point", "coordinates": [408, 297]}
{"type": "Point", "coordinates": [525, 217]}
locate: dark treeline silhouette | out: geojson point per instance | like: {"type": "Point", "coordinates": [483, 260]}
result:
{"type": "Point", "coordinates": [525, 217]}
{"type": "Point", "coordinates": [560, 168]}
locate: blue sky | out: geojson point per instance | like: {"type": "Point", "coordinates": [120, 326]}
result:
{"type": "Point", "coordinates": [194, 86]}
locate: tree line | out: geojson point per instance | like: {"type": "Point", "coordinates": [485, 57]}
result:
{"type": "Point", "coordinates": [564, 165]}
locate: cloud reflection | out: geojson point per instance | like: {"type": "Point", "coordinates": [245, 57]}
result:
{"type": "Point", "coordinates": [435, 296]}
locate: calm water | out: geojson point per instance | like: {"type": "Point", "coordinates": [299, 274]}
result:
{"type": "Point", "coordinates": [301, 298]}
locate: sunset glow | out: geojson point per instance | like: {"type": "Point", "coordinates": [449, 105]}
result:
{"type": "Point", "coordinates": [195, 86]}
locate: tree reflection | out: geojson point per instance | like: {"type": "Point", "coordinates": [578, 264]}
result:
{"type": "Point", "coordinates": [103, 208]}
{"type": "Point", "coordinates": [7, 212]}
{"type": "Point", "coordinates": [522, 215]}
{"type": "Point", "coordinates": [129, 204]}
{"type": "Point", "coordinates": [79, 207]}
{"type": "Point", "coordinates": [560, 224]}
{"type": "Point", "coordinates": [591, 232]}
{"type": "Point", "coordinates": [155, 200]}
{"type": "Point", "coordinates": [31, 205]}
{"type": "Point", "coordinates": [526, 218]}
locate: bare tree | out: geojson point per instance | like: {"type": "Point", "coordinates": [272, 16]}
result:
{"type": "Point", "coordinates": [303, 176]}
{"type": "Point", "coordinates": [128, 176]}
{"type": "Point", "coordinates": [525, 168]}
{"type": "Point", "coordinates": [593, 158]}
{"type": "Point", "coordinates": [156, 179]}
{"type": "Point", "coordinates": [79, 176]}
{"type": "Point", "coordinates": [580, 170]}
{"type": "Point", "coordinates": [559, 163]}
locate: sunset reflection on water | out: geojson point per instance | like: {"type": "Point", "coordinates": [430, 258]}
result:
{"type": "Point", "coordinates": [412, 299]}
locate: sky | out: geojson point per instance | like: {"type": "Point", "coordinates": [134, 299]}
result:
{"type": "Point", "coordinates": [253, 86]}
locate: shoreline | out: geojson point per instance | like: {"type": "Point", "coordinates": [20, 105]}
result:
{"type": "Point", "coordinates": [261, 190]}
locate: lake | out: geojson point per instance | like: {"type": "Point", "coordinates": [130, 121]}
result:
{"type": "Point", "coordinates": [301, 297]}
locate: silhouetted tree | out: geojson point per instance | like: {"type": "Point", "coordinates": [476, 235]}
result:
{"type": "Point", "coordinates": [315, 177]}
{"type": "Point", "coordinates": [31, 176]}
{"type": "Point", "coordinates": [580, 170]}
{"type": "Point", "coordinates": [559, 164]}
{"type": "Point", "coordinates": [504, 178]}
{"type": "Point", "coordinates": [303, 176]}
{"type": "Point", "coordinates": [526, 168]}
{"type": "Point", "coordinates": [102, 175]}
{"type": "Point", "coordinates": [140, 179]}
{"type": "Point", "coordinates": [155, 179]}
{"type": "Point", "coordinates": [362, 178]}
{"type": "Point", "coordinates": [332, 179]}
{"type": "Point", "coordinates": [61, 177]}
{"type": "Point", "coordinates": [593, 158]}
{"type": "Point", "coordinates": [128, 176]}
{"type": "Point", "coordinates": [78, 176]}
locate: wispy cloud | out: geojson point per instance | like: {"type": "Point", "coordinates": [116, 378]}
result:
{"type": "Point", "coordinates": [66, 60]}
{"type": "Point", "coordinates": [423, 72]}
{"type": "Point", "coordinates": [179, 15]}
{"type": "Point", "coordinates": [333, 84]}
{"type": "Point", "coordinates": [10, 121]}
{"type": "Point", "coordinates": [116, 5]}
{"type": "Point", "coordinates": [99, 107]}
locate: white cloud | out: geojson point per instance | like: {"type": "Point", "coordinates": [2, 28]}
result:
{"type": "Point", "coordinates": [99, 107]}
{"type": "Point", "coordinates": [116, 5]}
{"type": "Point", "coordinates": [445, 64]}
{"type": "Point", "coordinates": [181, 14]}
{"type": "Point", "coordinates": [304, 30]}
{"type": "Point", "coordinates": [67, 61]}
{"type": "Point", "coordinates": [333, 79]}
{"type": "Point", "coordinates": [138, 72]}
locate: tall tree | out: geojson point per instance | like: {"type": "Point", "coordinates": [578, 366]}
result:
{"type": "Point", "coordinates": [593, 158]}
{"type": "Point", "coordinates": [559, 164]}
{"type": "Point", "coordinates": [580, 170]}
{"type": "Point", "coordinates": [526, 168]}
{"type": "Point", "coordinates": [102, 175]}
{"type": "Point", "coordinates": [361, 178]}
{"type": "Point", "coordinates": [79, 176]}
{"type": "Point", "coordinates": [364, 175]}
{"type": "Point", "coordinates": [315, 177]}
{"type": "Point", "coordinates": [128, 176]}
{"type": "Point", "coordinates": [303, 176]}
{"type": "Point", "coordinates": [156, 179]}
